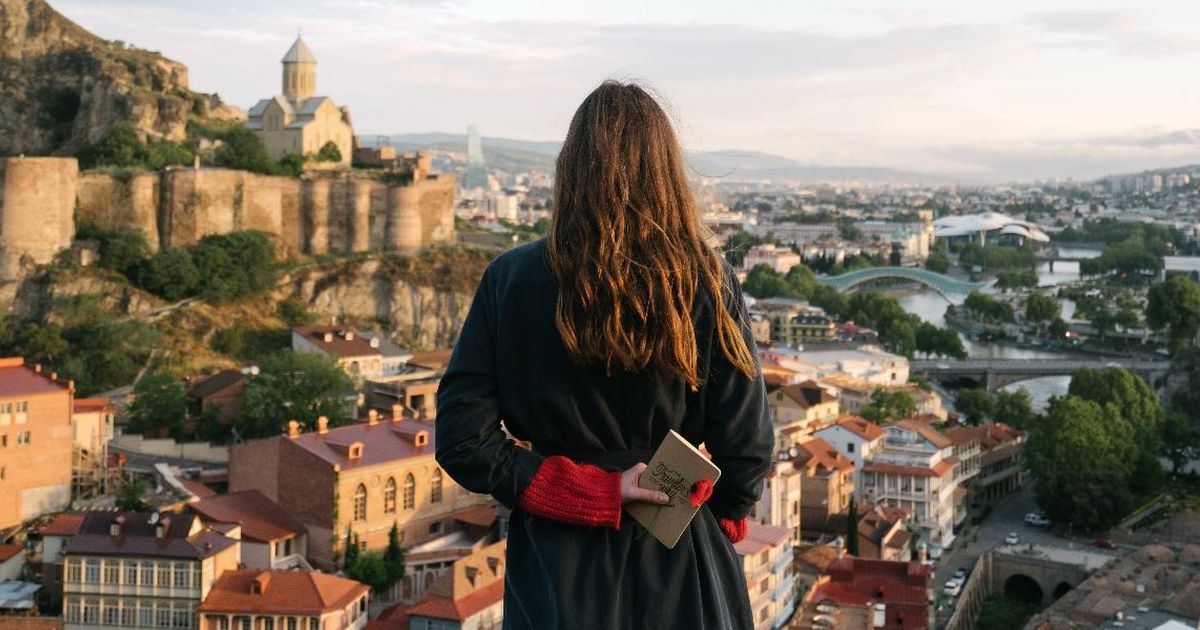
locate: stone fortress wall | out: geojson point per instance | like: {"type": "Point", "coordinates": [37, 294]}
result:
{"type": "Point", "coordinates": [330, 213]}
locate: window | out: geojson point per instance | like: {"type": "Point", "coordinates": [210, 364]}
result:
{"type": "Point", "coordinates": [72, 570]}
{"type": "Point", "coordinates": [111, 614]}
{"type": "Point", "coordinates": [222, 623]}
{"type": "Point", "coordinates": [112, 572]}
{"type": "Point", "coordinates": [435, 528]}
{"type": "Point", "coordinates": [91, 571]}
{"type": "Point", "coordinates": [3, 441]}
{"type": "Point", "coordinates": [131, 573]}
{"type": "Point", "coordinates": [22, 438]}
{"type": "Point", "coordinates": [360, 503]}
{"type": "Point", "coordinates": [162, 617]}
{"type": "Point", "coordinates": [22, 406]}
{"type": "Point", "coordinates": [71, 610]}
{"type": "Point", "coordinates": [268, 623]}
{"type": "Point", "coordinates": [389, 496]}
{"type": "Point", "coordinates": [314, 623]}
{"type": "Point", "coordinates": [181, 576]}
{"type": "Point", "coordinates": [91, 611]}
{"type": "Point", "coordinates": [145, 616]}
{"type": "Point", "coordinates": [164, 575]}
{"type": "Point", "coordinates": [435, 486]}
{"type": "Point", "coordinates": [128, 615]}
{"type": "Point", "coordinates": [147, 574]}
{"type": "Point", "coordinates": [850, 447]}
{"type": "Point", "coordinates": [410, 490]}
{"type": "Point", "coordinates": [291, 623]}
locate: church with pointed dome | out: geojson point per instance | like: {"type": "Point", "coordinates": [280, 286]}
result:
{"type": "Point", "coordinates": [298, 122]}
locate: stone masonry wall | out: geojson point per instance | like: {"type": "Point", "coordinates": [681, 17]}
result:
{"type": "Point", "coordinates": [37, 211]}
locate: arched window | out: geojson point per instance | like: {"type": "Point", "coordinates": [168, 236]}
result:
{"type": "Point", "coordinates": [435, 486]}
{"type": "Point", "coordinates": [360, 503]}
{"type": "Point", "coordinates": [410, 491]}
{"type": "Point", "coordinates": [389, 496]}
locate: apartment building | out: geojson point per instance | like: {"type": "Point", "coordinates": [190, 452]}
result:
{"type": "Point", "coordinates": [998, 473]}
{"type": "Point", "coordinates": [798, 409]}
{"type": "Point", "coordinates": [914, 469]}
{"type": "Point", "coordinates": [857, 439]}
{"type": "Point", "coordinates": [351, 484]}
{"type": "Point", "coordinates": [36, 442]}
{"type": "Point", "coordinates": [826, 488]}
{"type": "Point", "coordinates": [766, 555]}
{"type": "Point", "coordinates": [781, 500]}
{"type": "Point", "coordinates": [255, 599]}
{"type": "Point", "coordinates": [271, 538]}
{"type": "Point", "coordinates": [138, 569]}
{"type": "Point", "coordinates": [470, 596]}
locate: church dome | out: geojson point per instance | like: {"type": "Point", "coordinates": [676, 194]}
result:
{"type": "Point", "coordinates": [299, 53]}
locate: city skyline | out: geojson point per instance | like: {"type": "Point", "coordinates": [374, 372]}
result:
{"type": "Point", "coordinates": [1027, 90]}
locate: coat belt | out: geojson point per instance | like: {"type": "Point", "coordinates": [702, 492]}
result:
{"type": "Point", "coordinates": [609, 460]}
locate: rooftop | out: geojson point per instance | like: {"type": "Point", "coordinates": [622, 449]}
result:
{"type": "Point", "coordinates": [861, 427]}
{"type": "Point", "coordinates": [382, 442]}
{"type": "Point", "coordinates": [299, 53]}
{"type": "Point", "coordinates": [932, 435]}
{"type": "Point", "coordinates": [62, 525]}
{"type": "Point", "coordinates": [136, 537]}
{"type": "Point", "coordinates": [281, 592]}
{"type": "Point", "coordinates": [261, 519]}
{"type": "Point", "coordinates": [19, 379]}
{"type": "Point", "coordinates": [808, 394]}
{"type": "Point", "coordinates": [216, 383]}
{"type": "Point", "coordinates": [339, 341]}
{"type": "Point", "coordinates": [759, 537]}
{"type": "Point", "coordinates": [9, 551]}
{"type": "Point", "coordinates": [817, 454]}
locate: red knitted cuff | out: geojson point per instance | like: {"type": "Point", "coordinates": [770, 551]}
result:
{"type": "Point", "coordinates": [735, 530]}
{"type": "Point", "coordinates": [581, 494]}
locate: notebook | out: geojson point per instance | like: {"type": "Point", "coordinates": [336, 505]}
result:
{"type": "Point", "coordinates": [674, 470]}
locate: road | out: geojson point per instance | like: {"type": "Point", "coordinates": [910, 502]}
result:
{"type": "Point", "coordinates": [1007, 516]}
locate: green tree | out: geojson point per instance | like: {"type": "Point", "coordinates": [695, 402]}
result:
{"type": "Point", "coordinates": [159, 402]}
{"type": "Point", "coordinates": [393, 555]}
{"type": "Point", "coordinates": [351, 554]}
{"type": "Point", "coordinates": [120, 146]}
{"type": "Point", "coordinates": [371, 569]}
{"type": "Point", "coordinates": [938, 261]}
{"type": "Point", "coordinates": [1180, 440]}
{"type": "Point", "coordinates": [764, 282]}
{"type": "Point", "coordinates": [1058, 328]}
{"type": "Point", "coordinates": [1016, 279]}
{"type": "Point", "coordinates": [1174, 305]}
{"type": "Point", "coordinates": [852, 529]}
{"type": "Point", "coordinates": [299, 386]}
{"type": "Point", "coordinates": [975, 405]}
{"type": "Point", "coordinates": [895, 257]}
{"type": "Point", "coordinates": [988, 309]}
{"type": "Point", "coordinates": [291, 164]}
{"type": "Point", "coordinates": [243, 149]}
{"type": "Point", "coordinates": [1041, 308]}
{"type": "Point", "coordinates": [235, 266]}
{"type": "Point", "coordinates": [129, 497]}
{"type": "Point", "coordinates": [888, 406]}
{"type": "Point", "coordinates": [738, 245]}
{"type": "Point", "coordinates": [1014, 408]}
{"type": "Point", "coordinates": [1079, 457]}
{"type": "Point", "coordinates": [170, 274]}
{"type": "Point", "coordinates": [329, 152]}
{"type": "Point", "coordinates": [848, 231]}
{"type": "Point", "coordinates": [294, 312]}
{"type": "Point", "coordinates": [122, 249]}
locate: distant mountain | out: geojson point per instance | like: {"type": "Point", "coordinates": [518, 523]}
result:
{"type": "Point", "coordinates": [734, 165]}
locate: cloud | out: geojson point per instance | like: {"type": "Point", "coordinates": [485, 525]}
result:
{"type": "Point", "coordinates": [1122, 30]}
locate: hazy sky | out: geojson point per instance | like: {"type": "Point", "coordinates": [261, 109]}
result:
{"type": "Point", "coordinates": [990, 89]}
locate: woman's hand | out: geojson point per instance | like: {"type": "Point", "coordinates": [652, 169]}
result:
{"type": "Point", "coordinates": [630, 491]}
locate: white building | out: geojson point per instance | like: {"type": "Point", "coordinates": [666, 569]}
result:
{"type": "Point", "coordinates": [857, 439]}
{"type": "Point", "coordinates": [777, 258]}
{"type": "Point", "coordinates": [914, 468]}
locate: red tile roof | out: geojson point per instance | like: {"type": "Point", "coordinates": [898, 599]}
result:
{"type": "Point", "coordinates": [900, 586]}
{"type": "Point", "coordinates": [816, 453]}
{"type": "Point", "coordinates": [442, 607]}
{"type": "Point", "coordinates": [261, 519]}
{"type": "Point", "coordinates": [197, 488]}
{"type": "Point", "coordinates": [282, 593]}
{"type": "Point", "coordinates": [18, 379]}
{"type": "Point", "coordinates": [356, 346]}
{"type": "Point", "coordinates": [383, 442]}
{"type": "Point", "coordinates": [807, 394]}
{"type": "Point", "coordinates": [932, 435]}
{"type": "Point", "coordinates": [938, 470]}
{"type": "Point", "coordinates": [759, 537]}
{"type": "Point", "coordinates": [861, 427]}
{"type": "Point", "coordinates": [63, 525]}
{"type": "Point", "coordinates": [990, 435]}
{"type": "Point", "coordinates": [91, 404]}
{"type": "Point", "coordinates": [432, 359]}
{"type": "Point", "coordinates": [480, 515]}
{"type": "Point", "coordinates": [7, 552]}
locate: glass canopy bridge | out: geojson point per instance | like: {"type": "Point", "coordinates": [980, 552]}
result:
{"type": "Point", "coordinates": [946, 286]}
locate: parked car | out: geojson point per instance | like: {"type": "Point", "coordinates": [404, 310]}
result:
{"type": "Point", "coordinates": [1037, 520]}
{"type": "Point", "coordinates": [952, 588]}
{"type": "Point", "coordinates": [960, 574]}
{"type": "Point", "coordinates": [1104, 543]}
{"type": "Point", "coordinates": [1012, 539]}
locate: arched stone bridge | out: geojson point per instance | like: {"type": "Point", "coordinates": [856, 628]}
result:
{"type": "Point", "coordinates": [946, 286]}
{"type": "Point", "coordinates": [996, 373]}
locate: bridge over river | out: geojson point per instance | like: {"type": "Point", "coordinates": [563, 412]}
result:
{"type": "Point", "coordinates": [946, 286]}
{"type": "Point", "coordinates": [996, 373]}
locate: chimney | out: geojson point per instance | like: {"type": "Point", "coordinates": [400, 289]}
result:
{"type": "Point", "coordinates": [54, 376]}
{"type": "Point", "coordinates": [260, 583]}
{"type": "Point", "coordinates": [293, 429]}
{"type": "Point", "coordinates": [349, 335]}
{"type": "Point", "coordinates": [322, 425]}
{"type": "Point", "coordinates": [37, 367]}
{"type": "Point", "coordinates": [372, 417]}
{"type": "Point", "coordinates": [328, 337]}
{"type": "Point", "coordinates": [879, 616]}
{"type": "Point", "coordinates": [397, 412]}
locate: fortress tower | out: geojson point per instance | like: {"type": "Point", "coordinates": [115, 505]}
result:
{"type": "Point", "coordinates": [299, 72]}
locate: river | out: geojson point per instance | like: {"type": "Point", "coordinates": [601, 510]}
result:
{"type": "Point", "coordinates": [931, 307]}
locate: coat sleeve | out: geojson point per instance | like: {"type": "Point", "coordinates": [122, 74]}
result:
{"type": "Point", "coordinates": [471, 445]}
{"type": "Point", "coordinates": [738, 429]}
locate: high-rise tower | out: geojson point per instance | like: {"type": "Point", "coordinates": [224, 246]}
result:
{"type": "Point", "coordinates": [299, 72]}
{"type": "Point", "coordinates": [476, 173]}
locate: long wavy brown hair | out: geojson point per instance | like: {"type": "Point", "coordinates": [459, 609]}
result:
{"type": "Point", "coordinates": [627, 246]}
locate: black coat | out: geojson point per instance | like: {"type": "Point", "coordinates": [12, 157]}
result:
{"type": "Point", "coordinates": [510, 365]}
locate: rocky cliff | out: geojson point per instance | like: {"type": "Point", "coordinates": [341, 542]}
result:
{"type": "Point", "coordinates": [61, 87]}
